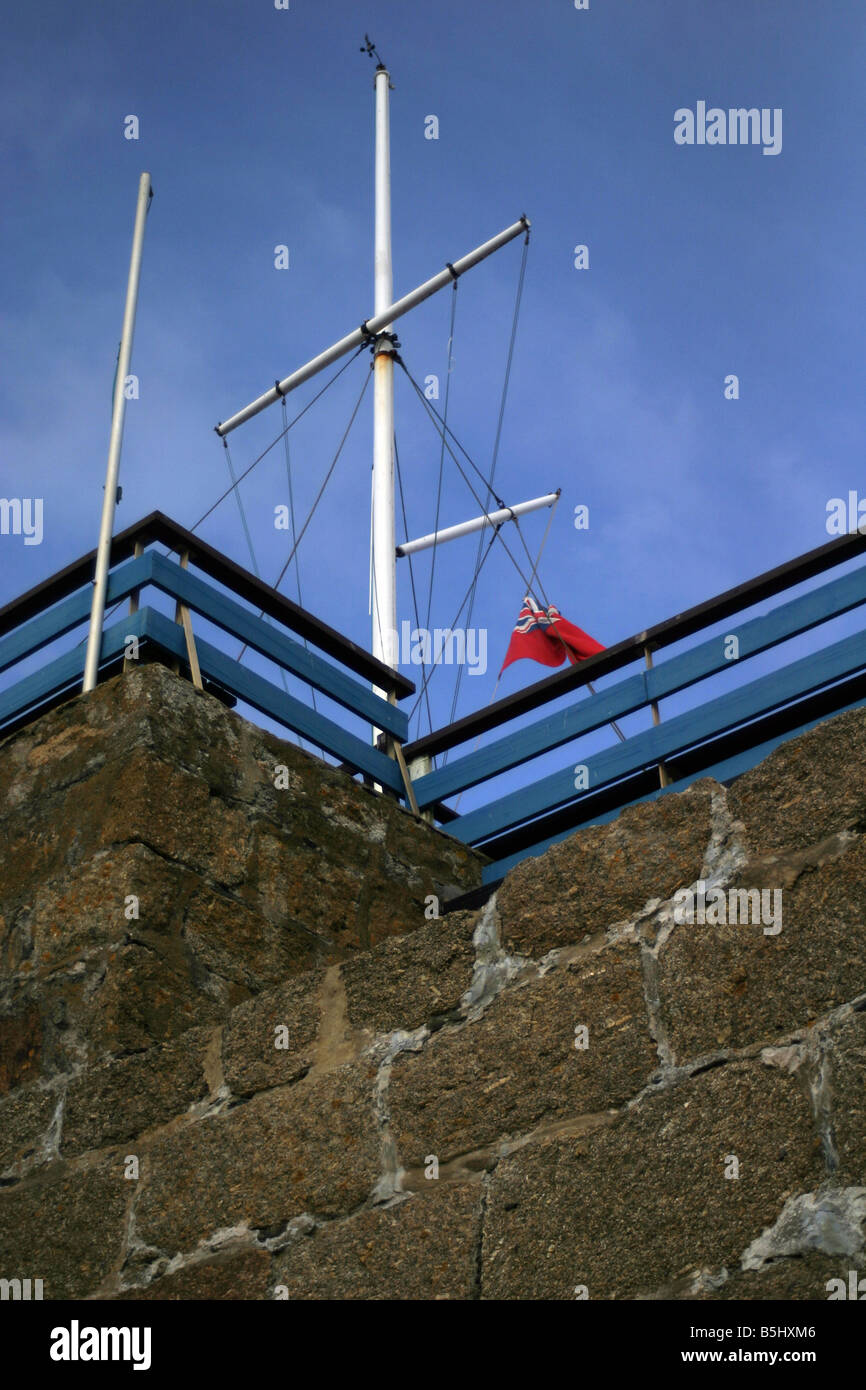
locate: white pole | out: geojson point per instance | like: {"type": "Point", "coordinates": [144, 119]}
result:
{"type": "Point", "coordinates": [465, 528]}
{"type": "Point", "coordinates": [384, 557]}
{"type": "Point", "coordinates": [109, 501]}
{"type": "Point", "coordinates": [373, 325]}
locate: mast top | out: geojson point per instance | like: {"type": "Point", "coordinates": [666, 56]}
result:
{"type": "Point", "coordinates": [369, 48]}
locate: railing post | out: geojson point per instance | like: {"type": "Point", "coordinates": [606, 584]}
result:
{"type": "Point", "coordinates": [181, 615]}
{"type": "Point", "coordinates": [664, 779]}
{"type": "Point", "coordinates": [419, 767]}
{"type": "Point", "coordinates": [394, 748]}
{"type": "Point", "coordinates": [133, 603]}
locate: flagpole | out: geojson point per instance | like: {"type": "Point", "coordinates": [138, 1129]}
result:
{"type": "Point", "coordinates": [384, 635]}
{"type": "Point", "coordinates": [109, 500]}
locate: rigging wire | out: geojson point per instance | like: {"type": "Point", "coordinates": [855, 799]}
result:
{"type": "Point", "coordinates": [292, 519]}
{"type": "Point", "coordinates": [443, 429]}
{"type": "Point", "coordinates": [264, 452]}
{"type": "Point", "coordinates": [242, 510]}
{"type": "Point", "coordinates": [312, 512]}
{"type": "Point", "coordinates": [528, 584]}
{"type": "Point", "coordinates": [276, 441]}
{"type": "Point", "coordinates": [253, 560]}
{"type": "Point", "coordinates": [326, 481]}
{"type": "Point", "coordinates": [502, 505]}
{"type": "Point", "coordinates": [412, 582]}
{"type": "Point", "coordinates": [499, 677]}
{"type": "Point", "coordinates": [297, 540]}
{"type": "Point", "coordinates": [442, 451]}
{"type": "Point", "coordinates": [509, 360]}
{"type": "Point", "coordinates": [554, 633]}
{"type": "Point", "coordinates": [434, 414]}
{"type": "Point", "coordinates": [453, 622]}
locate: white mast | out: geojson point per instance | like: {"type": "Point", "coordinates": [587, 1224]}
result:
{"type": "Point", "coordinates": [384, 559]}
{"type": "Point", "coordinates": [109, 501]}
{"type": "Point", "coordinates": [377, 330]}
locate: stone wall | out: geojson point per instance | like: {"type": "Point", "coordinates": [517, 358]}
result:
{"type": "Point", "coordinates": [243, 876]}
{"type": "Point", "coordinates": [314, 1092]}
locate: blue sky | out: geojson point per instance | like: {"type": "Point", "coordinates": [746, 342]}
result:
{"type": "Point", "coordinates": [256, 127]}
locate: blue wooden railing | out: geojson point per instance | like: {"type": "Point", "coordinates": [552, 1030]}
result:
{"type": "Point", "coordinates": [719, 736]}
{"type": "Point", "coordinates": [39, 619]}
{"type": "Point", "coordinates": [510, 826]}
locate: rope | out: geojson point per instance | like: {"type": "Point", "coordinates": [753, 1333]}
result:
{"type": "Point", "coordinates": [441, 455]}
{"type": "Point", "coordinates": [319, 495]}
{"type": "Point", "coordinates": [264, 452]}
{"type": "Point", "coordinates": [412, 582]}
{"type": "Point", "coordinates": [276, 441]}
{"type": "Point", "coordinates": [312, 513]}
{"type": "Point", "coordinates": [434, 414]}
{"type": "Point", "coordinates": [508, 363]}
{"type": "Point", "coordinates": [292, 519]}
{"type": "Point", "coordinates": [297, 567]}
{"type": "Point", "coordinates": [253, 560]}
{"type": "Point", "coordinates": [438, 421]}
{"type": "Point", "coordinates": [241, 509]}
{"type": "Point", "coordinates": [325, 483]}
{"type": "Point", "coordinates": [499, 677]}
{"type": "Point", "coordinates": [456, 617]}
{"type": "Point", "coordinates": [543, 541]}
{"type": "Point", "coordinates": [497, 531]}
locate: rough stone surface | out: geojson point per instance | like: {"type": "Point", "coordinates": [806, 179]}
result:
{"type": "Point", "coordinates": [149, 791]}
{"type": "Point", "coordinates": [518, 1065]}
{"type": "Point", "coordinates": [112, 1103]}
{"type": "Point", "coordinates": [847, 1084]}
{"type": "Point", "coordinates": [252, 1061]}
{"type": "Point", "coordinates": [636, 1205]}
{"type": "Point", "coordinates": [605, 874]}
{"type": "Point", "coordinates": [802, 1279]}
{"type": "Point", "coordinates": [20, 1045]}
{"type": "Point", "coordinates": [309, 1147]}
{"type": "Point", "coordinates": [422, 1248]}
{"type": "Point", "coordinates": [65, 1226]}
{"type": "Point", "coordinates": [729, 985]}
{"type": "Point", "coordinates": [25, 1122]}
{"type": "Point", "coordinates": [807, 789]}
{"type": "Point", "coordinates": [414, 979]}
{"type": "Point", "coordinates": [138, 997]}
{"type": "Point", "coordinates": [149, 761]}
{"type": "Point", "coordinates": [246, 1276]}
{"type": "Point", "coordinates": [431, 1130]}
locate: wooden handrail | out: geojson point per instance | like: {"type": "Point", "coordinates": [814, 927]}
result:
{"type": "Point", "coordinates": [159, 529]}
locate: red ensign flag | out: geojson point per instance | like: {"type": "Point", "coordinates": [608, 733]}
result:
{"type": "Point", "coordinates": [542, 634]}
